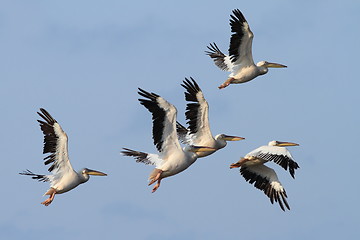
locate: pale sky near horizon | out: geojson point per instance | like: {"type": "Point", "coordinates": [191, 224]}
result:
{"type": "Point", "coordinates": [84, 60]}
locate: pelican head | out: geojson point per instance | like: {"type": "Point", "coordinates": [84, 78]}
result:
{"type": "Point", "coordinates": [228, 137]}
{"type": "Point", "coordinates": [85, 174]}
{"type": "Point", "coordinates": [264, 65]}
{"type": "Point", "coordinates": [282, 144]}
{"type": "Point", "coordinates": [222, 138]}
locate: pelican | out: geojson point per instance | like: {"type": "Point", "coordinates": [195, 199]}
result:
{"type": "Point", "coordinates": [252, 168]}
{"type": "Point", "coordinates": [63, 177]}
{"type": "Point", "coordinates": [239, 61]}
{"type": "Point", "coordinates": [197, 113]}
{"type": "Point", "coordinates": [172, 159]}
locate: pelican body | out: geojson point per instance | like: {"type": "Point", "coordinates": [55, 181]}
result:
{"type": "Point", "coordinates": [172, 159]}
{"type": "Point", "coordinates": [197, 114]}
{"type": "Point", "coordinates": [63, 178]}
{"type": "Point", "coordinates": [240, 60]}
{"type": "Point", "coordinates": [252, 168]}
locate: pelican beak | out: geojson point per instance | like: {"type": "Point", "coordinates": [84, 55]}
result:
{"type": "Point", "coordinates": [96, 173]}
{"type": "Point", "coordinates": [232, 138]}
{"type": "Point", "coordinates": [275, 65]}
{"type": "Point", "coordinates": [239, 163]}
{"type": "Point", "coordinates": [285, 144]}
{"type": "Point", "coordinates": [202, 149]}
{"type": "Point", "coordinates": [235, 165]}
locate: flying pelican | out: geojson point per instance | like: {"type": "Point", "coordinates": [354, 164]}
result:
{"type": "Point", "coordinates": [252, 168]}
{"type": "Point", "coordinates": [171, 159]}
{"type": "Point", "coordinates": [197, 113]}
{"type": "Point", "coordinates": [239, 61]}
{"type": "Point", "coordinates": [63, 177]}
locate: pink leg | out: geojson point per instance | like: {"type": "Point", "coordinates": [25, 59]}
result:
{"type": "Point", "coordinates": [156, 186]}
{"type": "Point", "coordinates": [156, 177]}
{"type": "Point", "coordinates": [48, 201]}
{"type": "Point", "coordinates": [226, 83]}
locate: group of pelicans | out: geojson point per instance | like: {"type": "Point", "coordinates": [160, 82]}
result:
{"type": "Point", "coordinates": [168, 134]}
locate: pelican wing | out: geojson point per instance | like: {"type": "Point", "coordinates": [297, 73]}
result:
{"type": "Point", "coordinates": [55, 143]}
{"type": "Point", "coordinates": [240, 49]}
{"type": "Point", "coordinates": [146, 158]}
{"type": "Point", "coordinates": [221, 60]}
{"type": "Point", "coordinates": [164, 123]}
{"type": "Point", "coordinates": [278, 155]}
{"type": "Point", "coordinates": [197, 111]}
{"type": "Point", "coordinates": [265, 179]}
{"type": "Point", "coordinates": [182, 133]}
{"type": "Point", "coordinates": [40, 178]}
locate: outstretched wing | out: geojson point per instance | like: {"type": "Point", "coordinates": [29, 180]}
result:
{"type": "Point", "coordinates": [265, 179]}
{"type": "Point", "coordinates": [197, 112]}
{"type": "Point", "coordinates": [278, 155]}
{"type": "Point", "coordinates": [220, 59]}
{"type": "Point", "coordinates": [40, 178]}
{"type": "Point", "coordinates": [164, 123]}
{"type": "Point", "coordinates": [240, 49]}
{"type": "Point", "coordinates": [55, 143]}
{"type": "Point", "coordinates": [146, 158]}
{"type": "Point", "coordinates": [182, 133]}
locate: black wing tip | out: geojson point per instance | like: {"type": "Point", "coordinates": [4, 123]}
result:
{"type": "Point", "coordinates": [191, 85]}
{"type": "Point", "coordinates": [217, 56]}
{"type": "Point", "coordinates": [43, 111]}
{"type": "Point", "coordinates": [26, 172]}
{"type": "Point", "coordinates": [127, 151]}
{"type": "Point", "coordinates": [179, 125]}
{"type": "Point", "coordinates": [237, 15]}
{"type": "Point", "coordinates": [139, 156]}
{"type": "Point", "coordinates": [181, 129]}
{"type": "Point", "coordinates": [182, 132]}
{"type": "Point", "coordinates": [263, 184]}
{"type": "Point", "coordinates": [130, 153]}
{"type": "Point", "coordinates": [236, 11]}
{"type": "Point", "coordinates": [46, 116]}
{"type": "Point", "coordinates": [284, 196]}
{"type": "Point", "coordinates": [292, 167]}
{"type": "Point", "coordinates": [149, 95]}
{"type": "Point", "coordinates": [213, 49]}
{"type": "Point", "coordinates": [212, 46]}
{"type": "Point", "coordinates": [40, 178]}
{"type": "Point", "coordinates": [284, 161]}
{"type": "Point", "coordinates": [280, 198]}
{"type": "Point", "coordinates": [158, 115]}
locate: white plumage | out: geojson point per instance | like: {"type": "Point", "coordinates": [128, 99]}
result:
{"type": "Point", "coordinates": [239, 61]}
{"type": "Point", "coordinates": [197, 116]}
{"type": "Point", "coordinates": [172, 159]}
{"type": "Point", "coordinates": [263, 177]}
{"type": "Point", "coordinates": [63, 177]}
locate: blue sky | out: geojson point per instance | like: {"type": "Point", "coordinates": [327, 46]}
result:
{"type": "Point", "coordinates": [84, 60]}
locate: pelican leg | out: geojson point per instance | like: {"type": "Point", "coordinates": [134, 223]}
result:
{"type": "Point", "coordinates": [226, 83]}
{"type": "Point", "coordinates": [48, 201]}
{"type": "Point", "coordinates": [157, 176]}
{"type": "Point", "coordinates": [157, 185]}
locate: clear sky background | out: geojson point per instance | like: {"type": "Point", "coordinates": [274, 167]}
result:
{"type": "Point", "coordinates": [84, 60]}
